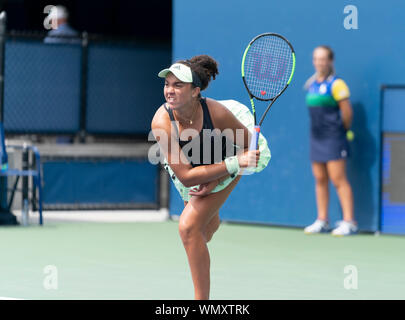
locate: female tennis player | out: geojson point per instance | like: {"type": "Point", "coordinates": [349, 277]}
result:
{"type": "Point", "coordinates": [331, 117]}
{"type": "Point", "coordinates": [203, 168]}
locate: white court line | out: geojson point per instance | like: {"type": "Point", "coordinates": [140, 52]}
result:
{"type": "Point", "coordinates": [8, 298]}
{"type": "Point", "coordinates": [100, 216]}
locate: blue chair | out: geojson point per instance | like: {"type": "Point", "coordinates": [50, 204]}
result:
{"type": "Point", "coordinates": [35, 172]}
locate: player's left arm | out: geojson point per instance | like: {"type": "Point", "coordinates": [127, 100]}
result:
{"type": "Point", "coordinates": [223, 119]}
{"type": "Point", "coordinates": [341, 94]}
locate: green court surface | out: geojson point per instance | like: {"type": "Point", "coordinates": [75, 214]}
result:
{"type": "Point", "coordinates": [147, 261]}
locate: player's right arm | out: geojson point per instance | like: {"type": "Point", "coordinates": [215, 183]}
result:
{"type": "Point", "coordinates": [169, 146]}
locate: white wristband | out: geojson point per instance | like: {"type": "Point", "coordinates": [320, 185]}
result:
{"type": "Point", "coordinates": [232, 165]}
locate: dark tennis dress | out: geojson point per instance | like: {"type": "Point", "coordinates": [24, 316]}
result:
{"type": "Point", "coordinates": [209, 147]}
{"type": "Point", "coordinates": [327, 133]}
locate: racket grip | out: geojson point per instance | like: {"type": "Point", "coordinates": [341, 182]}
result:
{"type": "Point", "coordinates": [255, 138]}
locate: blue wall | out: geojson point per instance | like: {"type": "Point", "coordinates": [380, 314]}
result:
{"type": "Point", "coordinates": [366, 58]}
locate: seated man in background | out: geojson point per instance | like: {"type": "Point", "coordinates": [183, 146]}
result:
{"type": "Point", "coordinates": [61, 31]}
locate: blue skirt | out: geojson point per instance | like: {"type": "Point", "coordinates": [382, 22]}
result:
{"type": "Point", "coordinates": [327, 149]}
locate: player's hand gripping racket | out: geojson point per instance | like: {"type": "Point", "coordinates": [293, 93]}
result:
{"type": "Point", "coordinates": [268, 66]}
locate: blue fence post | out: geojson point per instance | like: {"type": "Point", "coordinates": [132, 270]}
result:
{"type": "Point", "coordinates": [3, 180]}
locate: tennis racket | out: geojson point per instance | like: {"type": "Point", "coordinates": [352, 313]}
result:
{"type": "Point", "coordinates": [268, 66]}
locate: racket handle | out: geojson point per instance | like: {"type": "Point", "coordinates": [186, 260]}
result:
{"type": "Point", "coordinates": [255, 138]}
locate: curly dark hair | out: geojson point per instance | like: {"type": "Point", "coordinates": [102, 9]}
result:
{"type": "Point", "coordinates": [204, 66]}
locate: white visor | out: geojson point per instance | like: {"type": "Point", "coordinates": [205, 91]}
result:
{"type": "Point", "coordinates": [181, 71]}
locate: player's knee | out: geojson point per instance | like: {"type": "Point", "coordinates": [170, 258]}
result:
{"type": "Point", "coordinates": [338, 180]}
{"type": "Point", "coordinates": [210, 230]}
{"type": "Point", "coordinates": [208, 235]}
{"type": "Point", "coordinates": [187, 232]}
{"type": "Point", "coordinates": [321, 179]}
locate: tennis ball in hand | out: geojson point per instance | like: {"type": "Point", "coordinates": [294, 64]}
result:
{"type": "Point", "coordinates": [350, 135]}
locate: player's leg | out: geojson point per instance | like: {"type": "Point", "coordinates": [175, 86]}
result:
{"type": "Point", "coordinates": [212, 226]}
{"type": "Point", "coordinates": [337, 174]}
{"type": "Point", "coordinates": [321, 189]}
{"type": "Point", "coordinates": [322, 198]}
{"type": "Point", "coordinates": [193, 225]}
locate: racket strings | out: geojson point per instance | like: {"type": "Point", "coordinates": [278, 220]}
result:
{"type": "Point", "coordinates": [268, 66]}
